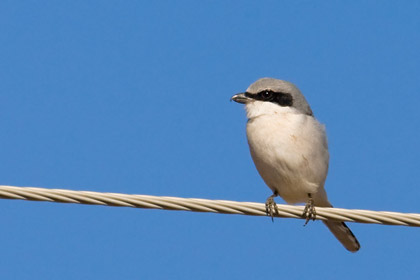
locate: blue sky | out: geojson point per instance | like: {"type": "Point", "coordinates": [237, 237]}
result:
{"type": "Point", "coordinates": [133, 97]}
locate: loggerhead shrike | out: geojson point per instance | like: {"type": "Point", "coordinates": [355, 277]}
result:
{"type": "Point", "coordinates": [289, 148]}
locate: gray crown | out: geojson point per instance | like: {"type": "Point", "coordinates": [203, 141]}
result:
{"type": "Point", "coordinates": [275, 85]}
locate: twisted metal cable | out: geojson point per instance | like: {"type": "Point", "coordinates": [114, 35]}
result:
{"type": "Point", "coordinates": [204, 205]}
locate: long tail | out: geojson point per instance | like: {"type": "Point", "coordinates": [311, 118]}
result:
{"type": "Point", "coordinates": [344, 235]}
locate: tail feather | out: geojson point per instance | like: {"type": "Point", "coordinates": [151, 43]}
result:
{"type": "Point", "coordinates": [344, 235]}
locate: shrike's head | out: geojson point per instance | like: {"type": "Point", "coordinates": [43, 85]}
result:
{"type": "Point", "coordinates": [272, 96]}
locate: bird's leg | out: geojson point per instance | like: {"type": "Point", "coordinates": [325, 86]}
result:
{"type": "Point", "coordinates": [309, 211]}
{"type": "Point", "coordinates": [271, 206]}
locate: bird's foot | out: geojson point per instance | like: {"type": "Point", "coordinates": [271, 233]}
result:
{"type": "Point", "coordinates": [271, 206]}
{"type": "Point", "coordinates": [309, 212]}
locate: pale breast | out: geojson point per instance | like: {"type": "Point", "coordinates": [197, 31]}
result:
{"type": "Point", "coordinates": [290, 152]}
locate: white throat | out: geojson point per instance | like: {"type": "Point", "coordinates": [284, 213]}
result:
{"type": "Point", "coordinates": [259, 108]}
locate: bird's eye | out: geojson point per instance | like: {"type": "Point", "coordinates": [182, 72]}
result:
{"type": "Point", "coordinates": [266, 95]}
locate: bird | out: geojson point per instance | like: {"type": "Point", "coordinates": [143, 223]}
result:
{"type": "Point", "coordinates": [290, 150]}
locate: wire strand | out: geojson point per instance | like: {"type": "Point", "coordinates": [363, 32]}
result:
{"type": "Point", "coordinates": [205, 205]}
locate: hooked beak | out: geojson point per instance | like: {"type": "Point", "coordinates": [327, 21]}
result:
{"type": "Point", "coordinates": [240, 98]}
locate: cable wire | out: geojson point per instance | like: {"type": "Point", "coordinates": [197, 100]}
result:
{"type": "Point", "coordinates": [205, 205]}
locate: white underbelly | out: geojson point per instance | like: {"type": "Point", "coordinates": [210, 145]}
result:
{"type": "Point", "coordinates": [291, 154]}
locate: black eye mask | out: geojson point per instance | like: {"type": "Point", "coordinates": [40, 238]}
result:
{"type": "Point", "coordinates": [281, 98]}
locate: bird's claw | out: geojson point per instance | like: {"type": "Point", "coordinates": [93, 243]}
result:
{"type": "Point", "coordinates": [271, 207]}
{"type": "Point", "coordinates": [309, 213]}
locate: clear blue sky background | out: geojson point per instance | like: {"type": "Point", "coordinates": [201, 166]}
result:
{"type": "Point", "coordinates": [133, 97]}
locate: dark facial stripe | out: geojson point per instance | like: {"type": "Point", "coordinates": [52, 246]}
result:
{"type": "Point", "coordinates": [281, 98]}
